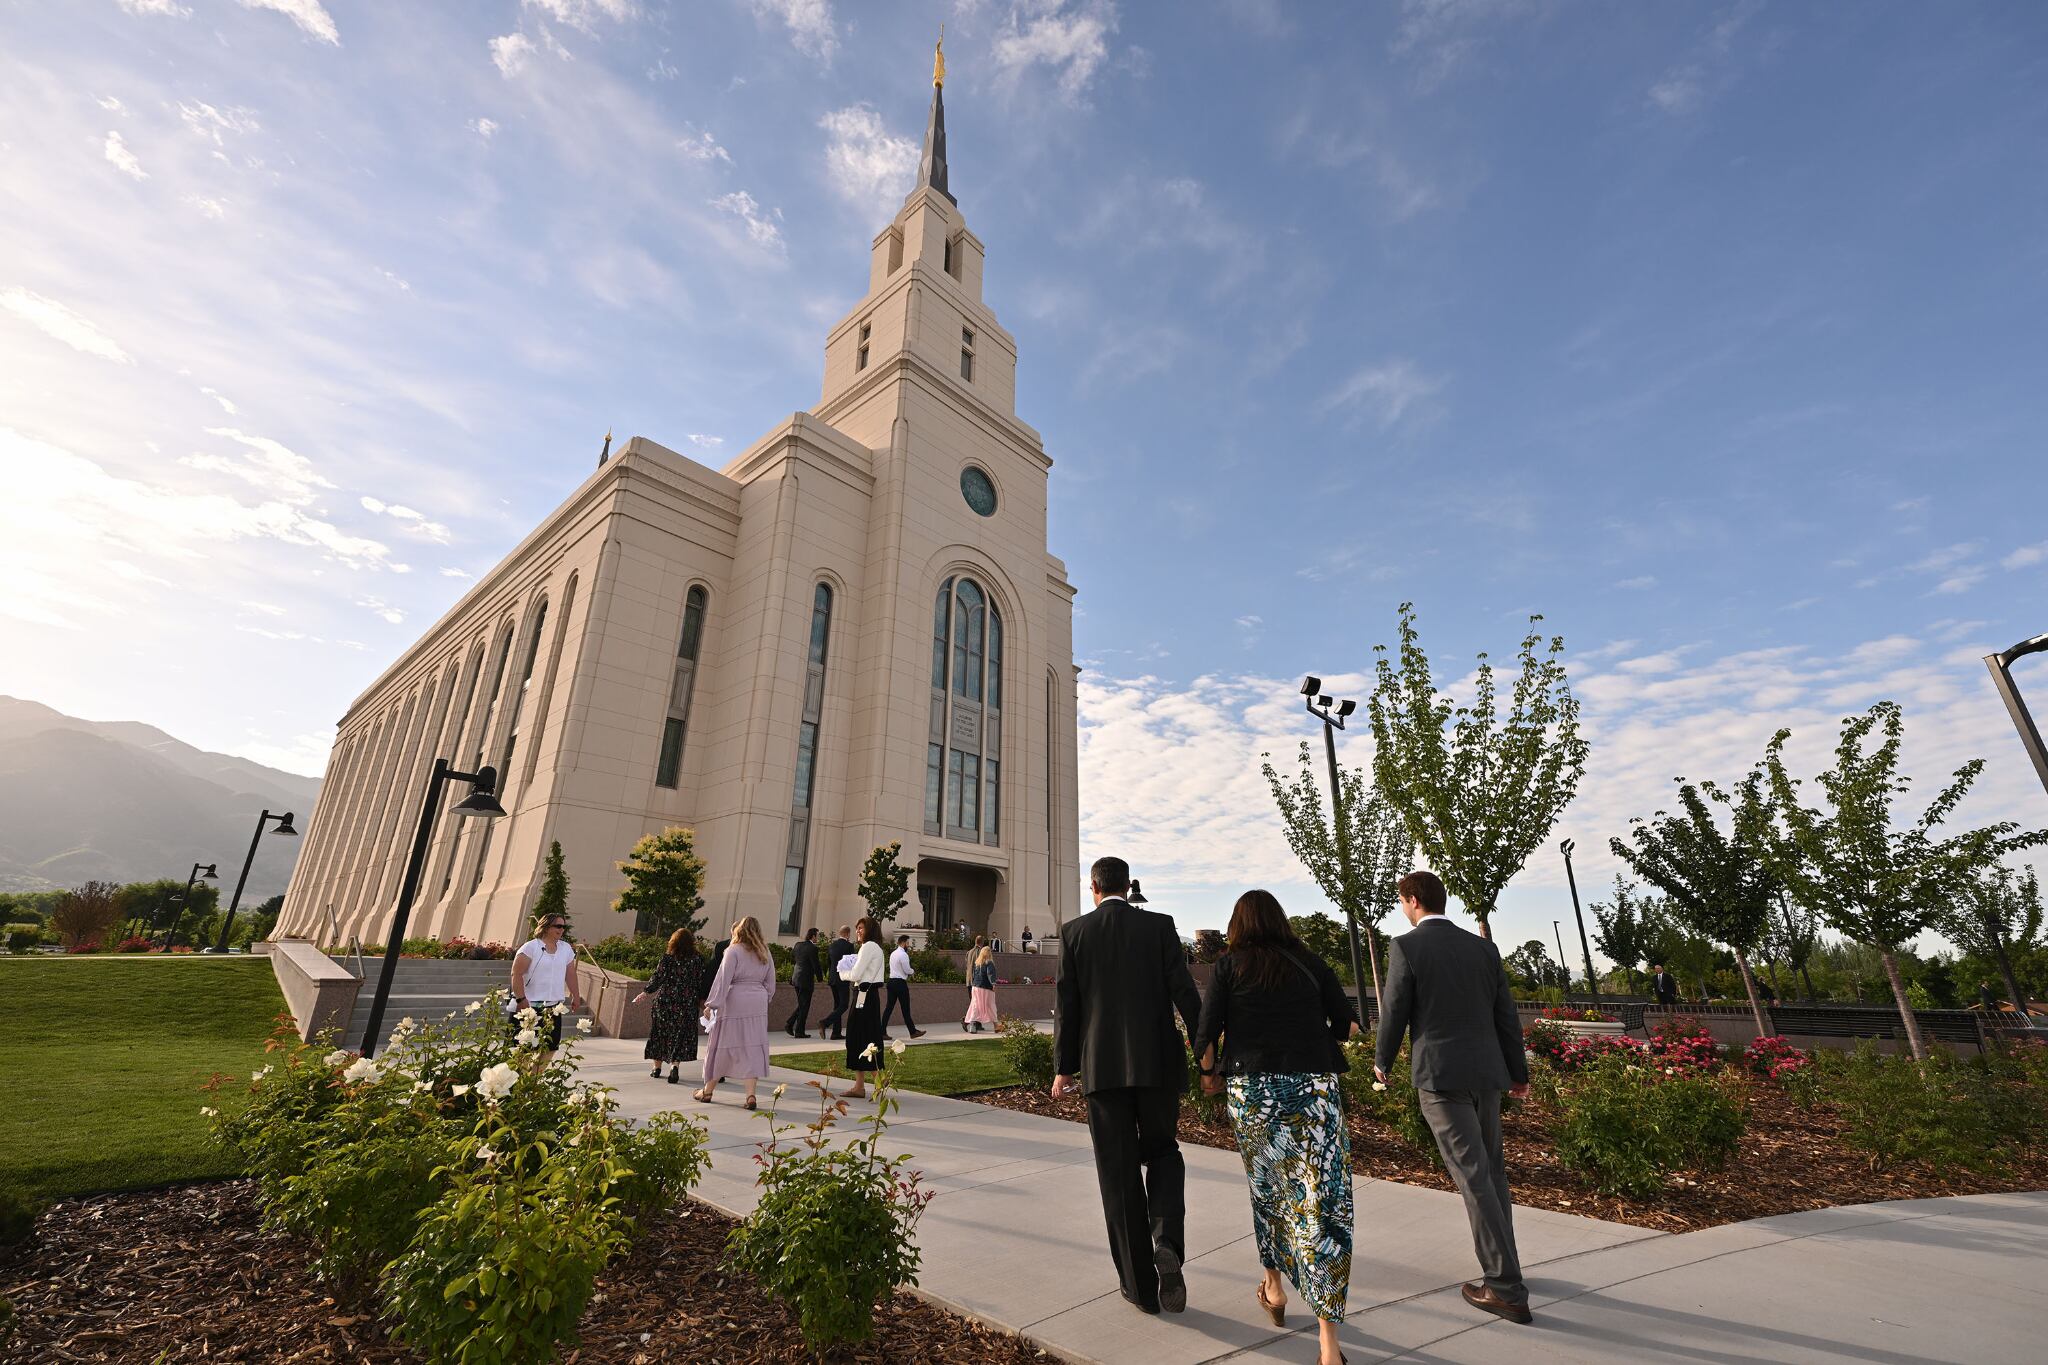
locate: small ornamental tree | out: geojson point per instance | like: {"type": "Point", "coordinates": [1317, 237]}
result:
{"type": "Point", "coordinates": [884, 882]}
{"type": "Point", "coordinates": [86, 914]}
{"type": "Point", "coordinates": [1624, 932]}
{"type": "Point", "coordinates": [662, 880]}
{"type": "Point", "coordinates": [1479, 790]}
{"type": "Point", "coordinates": [554, 887]}
{"type": "Point", "coordinates": [1793, 936]}
{"type": "Point", "coordinates": [1377, 840]}
{"type": "Point", "coordinates": [1873, 881]}
{"type": "Point", "coordinates": [1997, 911]}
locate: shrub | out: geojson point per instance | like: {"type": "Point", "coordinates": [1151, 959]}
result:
{"type": "Point", "coordinates": [1576, 1015]}
{"type": "Point", "coordinates": [1684, 1052]}
{"type": "Point", "coordinates": [1029, 1052]}
{"type": "Point", "coordinates": [1394, 1105]}
{"type": "Point", "coordinates": [133, 945]}
{"type": "Point", "coordinates": [22, 937]}
{"type": "Point", "coordinates": [631, 956]}
{"type": "Point", "coordinates": [930, 964]}
{"type": "Point", "coordinates": [1773, 1058]}
{"type": "Point", "coordinates": [1627, 1127]}
{"type": "Point", "coordinates": [831, 1235]}
{"type": "Point", "coordinates": [460, 947]}
{"type": "Point", "coordinates": [1545, 1039]}
{"type": "Point", "coordinates": [17, 1219]}
{"type": "Point", "coordinates": [1944, 1112]}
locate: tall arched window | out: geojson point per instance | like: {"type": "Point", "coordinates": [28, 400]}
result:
{"type": "Point", "coordinates": [806, 760]}
{"type": "Point", "coordinates": [963, 753]}
{"type": "Point", "coordinates": [667, 770]}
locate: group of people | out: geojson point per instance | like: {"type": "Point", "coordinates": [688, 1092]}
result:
{"type": "Point", "coordinates": [1267, 1036]}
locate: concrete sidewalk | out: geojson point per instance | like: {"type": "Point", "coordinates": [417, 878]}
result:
{"type": "Point", "coordinates": [1015, 1238]}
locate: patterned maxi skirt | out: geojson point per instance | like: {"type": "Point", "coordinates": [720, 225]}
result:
{"type": "Point", "coordinates": [1297, 1155]}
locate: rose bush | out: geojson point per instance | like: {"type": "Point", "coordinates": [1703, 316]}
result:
{"type": "Point", "coordinates": [1773, 1058]}
{"type": "Point", "coordinates": [1628, 1124]}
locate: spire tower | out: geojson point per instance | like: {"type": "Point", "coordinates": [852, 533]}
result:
{"type": "Point", "coordinates": [931, 169]}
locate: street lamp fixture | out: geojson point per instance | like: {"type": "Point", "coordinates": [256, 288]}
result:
{"type": "Point", "coordinates": [1136, 897]}
{"type": "Point", "coordinates": [284, 826]}
{"type": "Point", "coordinates": [2000, 665]}
{"type": "Point", "coordinates": [1331, 712]}
{"type": "Point", "coordinates": [481, 803]}
{"type": "Point", "coordinates": [1585, 946]}
{"type": "Point", "coordinates": [184, 902]}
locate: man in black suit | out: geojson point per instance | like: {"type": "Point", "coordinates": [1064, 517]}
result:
{"type": "Point", "coordinates": [1450, 987]}
{"type": "Point", "coordinates": [840, 947]}
{"type": "Point", "coordinates": [803, 979]}
{"type": "Point", "coordinates": [1122, 977]}
{"type": "Point", "coordinates": [1664, 985]}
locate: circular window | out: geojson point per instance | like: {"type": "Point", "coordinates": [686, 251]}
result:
{"type": "Point", "coordinates": [979, 491]}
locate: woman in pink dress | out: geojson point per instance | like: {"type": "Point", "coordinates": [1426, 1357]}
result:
{"type": "Point", "coordinates": [738, 1046]}
{"type": "Point", "coordinates": [981, 1001]}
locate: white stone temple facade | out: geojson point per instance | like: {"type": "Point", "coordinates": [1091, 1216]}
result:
{"type": "Point", "coordinates": [851, 634]}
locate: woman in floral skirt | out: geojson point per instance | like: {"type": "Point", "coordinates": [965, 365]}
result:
{"type": "Point", "coordinates": [678, 991]}
{"type": "Point", "coordinates": [1270, 1029]}
{"type": "Point", "coordinates": [981, 999]}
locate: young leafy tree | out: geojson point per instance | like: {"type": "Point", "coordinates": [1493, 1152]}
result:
{"type": "Point", "coordinates": [1479, 790]}
{"type": "Point", "coordinates": [1719, 883]}
{"type": "Point", "coordinates": [1378, 838]}
{"type": "Point", "coordinates": [1992, 914]}
{"type": "Point", "coordinates": [884, 882]}
{"type": "Point", "coordinates": [1792, 936]}
{"type": "Point", "coordinates": [84, 915]}
{"type": "Point", "coordinates": [554, 887]}
{"type": "Point", "coordinates": [1876, 882]}
{"type": "Point", "coordinates": [663, 877]}
{"type": "Point", "coordinates": [1625, 933]}
{"type": "Point", "coordinates": [1531, 963]}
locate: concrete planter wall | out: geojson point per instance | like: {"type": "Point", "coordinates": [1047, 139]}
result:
{"type": "Point", "coordinates": [320, 991]}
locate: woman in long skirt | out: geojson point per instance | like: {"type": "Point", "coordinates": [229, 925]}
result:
{"type": "Point", "coordinates": [678, 991]}
{"type": "Point", "coordinates": [1270, 1029]}
{"type": "Point", "coordinates": [738, 1045]}
{"type": "Point", "coordinates": [864, 1019]}
{"type": "Point", "coordinates": [981, 999]}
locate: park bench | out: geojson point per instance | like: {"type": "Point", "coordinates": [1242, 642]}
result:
{"type": "Point", "coordinates": [1874, 1021]}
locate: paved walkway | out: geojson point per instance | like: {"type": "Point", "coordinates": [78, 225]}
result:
{"type": "Point", "coordinates": [1015, 1239]}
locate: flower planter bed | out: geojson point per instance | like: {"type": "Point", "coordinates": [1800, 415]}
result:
{"type": "Point", "coordinates": [188, 1274]}
{"type": "Point", "coordinates": [1789, 1160]}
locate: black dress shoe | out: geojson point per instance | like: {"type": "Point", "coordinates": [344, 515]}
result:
{"type": "Point", "coordinates": [799, 1035]}
{"type": "Point", "coordinates": [1483, 1296]}
{"type": "Point", "coordinates": [1139, 1304]}
{"type": "Point", "coordinates": [1173, 1286]}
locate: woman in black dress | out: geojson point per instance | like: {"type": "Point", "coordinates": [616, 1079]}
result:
{"type": "Point", "coordinates": [678, 991]}
{"type": "Point", "coordinates": [864, 1020]}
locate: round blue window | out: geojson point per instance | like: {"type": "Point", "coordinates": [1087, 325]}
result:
{"type": "Point", "coordinates": [979, 490]}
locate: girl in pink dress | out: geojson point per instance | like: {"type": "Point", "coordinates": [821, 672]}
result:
{"type": "Point", "coordinates": [981, 1001]}
{"type": "Point", "coordinates": [738, 1045]}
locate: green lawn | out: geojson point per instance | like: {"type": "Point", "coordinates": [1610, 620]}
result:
{"type": "Point", "coordinates": [952, 1068]}
{"type": "Point", "coordinates": [101, 1068]}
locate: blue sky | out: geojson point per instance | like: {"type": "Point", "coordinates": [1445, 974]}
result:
{"type": "Point", "coordinates": [1713, 333]}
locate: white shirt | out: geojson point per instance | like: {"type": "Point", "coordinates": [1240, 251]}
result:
{"type": "Point", "coordinates": [899, 964]}
{"type": "Point", "coordinates": [867, 965]}
{"type": "Point", "coordinates": [547, 974]}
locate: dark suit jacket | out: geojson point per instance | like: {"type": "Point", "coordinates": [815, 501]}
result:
{"type": "Point", "coordinates": [1449, 987]}
{"type": "Point", "coordinates": [1666, 987]}
{"type": "Point", "coordinates": [1123, 974]}
{"type": "Point", "coordinates": [803, 965]}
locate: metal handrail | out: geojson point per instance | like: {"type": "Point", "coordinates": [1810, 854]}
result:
{"type": "Point", "coordinates": [354, 946]}
{"type": "Point", "coordinates": [603, 980]}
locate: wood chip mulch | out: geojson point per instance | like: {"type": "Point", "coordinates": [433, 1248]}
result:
{"type": "Point", "coordinates": [188, 1274]}
{"type": "Point", "coordinates": [1789, 1160]}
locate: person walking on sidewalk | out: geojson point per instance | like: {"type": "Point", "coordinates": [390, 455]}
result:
{"type": "Point", "coordinates": [1450, 988]}
{"type": "Point", "coordinates": [803, 979]}
{"type": "Point", "coordinates": [678, 986]}
{"type": "Point", "coordinates": [1122, 978]}
{"type": "Point", "coordinates": [840, 947]}
{"type": "Point", "coordinates": [899, 989]}
{"type": "Point", "coordinates": [738, 1045]}
{"type": "Point", "coordinates": [1276, 1013]}
{"type": "Point", "coordinates": [981, 998]}
{"type": "Point", "coordinates": [864, 1015]}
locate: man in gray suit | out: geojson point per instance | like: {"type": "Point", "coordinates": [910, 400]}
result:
{"type": "Point", "coordinates": [1449, 986]}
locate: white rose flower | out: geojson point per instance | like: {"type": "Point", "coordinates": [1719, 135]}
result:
{"type": "Point", "coordinates": [871, 1051]}
{"type": "Point", "coordinates": [778, 1091]}
{"type": "Point", "coordinates": [486, 1154]}
{"type": "Point", "coordinates": [362, 1069]}
{"type": "Point", "coordinates": [418, 1086]}
{"type": "Point", "coordinates": [209, 1111]}
{"type": "Point", "coordinates": [259, 1075]}
{"type": "Point", "coordinates": [405, 1025]}
{"type": "Point", "coordinates": [584, 1025]}
{"type": "Point", "coordinates": [497, 1081]}
{"type": "Point", "coordinates": [527, 1038]}
{"type": "Point", "coordinates": [1379, 1085]}
{"type": "Point", "coordinates": [472, 1007]}
{"type": "Point", "coordinates": [575, 1139]}
{"type": "Point", "coordinates": [561, 1008]}
{"type": "Point", "coordinates": [528, 1015]}
{"type": "Point", "coordinates": [896, 1047]}
{"type": "Point", "coordinates": [337, 1057]}
{"type": "Point", "coordinates": [459, 1091]}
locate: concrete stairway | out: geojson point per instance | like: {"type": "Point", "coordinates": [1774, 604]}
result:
{"type": "Point", "coordinates": [427, 990]}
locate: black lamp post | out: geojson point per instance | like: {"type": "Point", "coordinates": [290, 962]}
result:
{"type": "Point", "coordinates": [1585, 945]}
{"type": "Point", "coordinates": [284, 826]}
{"type": "Point", "coordinates": [185, 901]}
{"type": "Point", "coordinates": [2000, 665]}
{"type": "Point", "coordinates": [1558, 934]}
{"type": "Point", "coordinates": [1331, 712]}
{"type": "Point", "coordinates": [481, 801]}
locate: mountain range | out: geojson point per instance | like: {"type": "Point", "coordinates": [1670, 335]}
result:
{"type": "Point", "coordinates": [122, 801]}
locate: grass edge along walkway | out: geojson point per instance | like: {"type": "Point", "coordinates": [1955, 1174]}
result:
{"type": "Point", "coordinates": [958, 1066]}
{"type": "Point", "coordinates": [103, 1072]}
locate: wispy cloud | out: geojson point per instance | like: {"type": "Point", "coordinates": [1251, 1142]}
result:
{"type": "Point", "coordinates": [584, 14]}
{"type": "Point", "coordinates": [2026, 556]}
{"type": "Point", "coordinates": [1711, 67]}
{"type": "Point", "coordinates": [124, 160]}
{"type": "Point", "coordinates": [1388, 390]}
{"type": "Point", "coordinates": [809, 23]}
{"type": "Point", "coordinates": [310, 15]}
{"type": "Point", "coordinates": [511, 53]}
{"type": "Point", "coordinates": [1638, 583]}
{"type": "Point", "coordinates": [168, 9]}
{"type": "Point", "coordinates": [54, 320]}
{"type": "Point", "coordinates": [761, 227]}
{"type": "Point", "coordinates": [866, 165]}
{"type": "Point", "coordinates": [697, 144]}
{"type": "Point", "coordinates": [1071, 41]}
{"type": "Point", "coordinates": [414, 523]}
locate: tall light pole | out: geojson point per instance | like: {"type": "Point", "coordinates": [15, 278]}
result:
{"type": "Point", "coordinates": [284, 826]}
{"type": "Point", "coordinates": [1558, 934]}
{"type": "Point", "coordinates": [1585, 945]}
{"type": "Point", "coordinates": [482, 802]}
{"type": "Point", "coordinates": [199, 870]}
{"type": "Point", "coordinates": [1321, 707]}
{"type": "Point", "coordinates": [2000, 665]}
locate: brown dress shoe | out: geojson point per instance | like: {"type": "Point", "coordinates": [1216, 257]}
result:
{"type": "Point", "coordinates": [1480, 1295]}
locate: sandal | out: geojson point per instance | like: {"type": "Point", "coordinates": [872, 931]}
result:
{"type": "Point", "coordinates": [749, 1104]}
{"type": "Point", "coordinates": [1276, 1311]}
{"type": "Point", "coordinates": [700, 1097]}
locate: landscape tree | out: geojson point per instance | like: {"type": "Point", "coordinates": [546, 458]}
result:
{"type": "Point", "coordinates": [1719, 884]}
{"type": "Point", "coordinates": [884, 882]}
{"type": "Point", "coordinates": [1479, 791]}
{"type": "Point", "coordinates": [1995, 912]}
{"type": "Point", "coordinates": [1531, 965]}
{"type": "Point", "coordinates": [1690, 957]}
{"type": "Point", "coordinates": [1378, 841]}
{"type": "Point", "coordinates": [85, 914]}
{"type": "Point", "coordinates": [554, 886]}
{"type": "Point", "coordinates": [1793, 935]}
{"type": "Point", "coordinates": [663, 876]}
{"type": "Point", "coordinates": [143, 907]}
{"type": "Point", "coordinates": [1624, 931]}
{"type": "Point", "coordinates": [1874, 881]}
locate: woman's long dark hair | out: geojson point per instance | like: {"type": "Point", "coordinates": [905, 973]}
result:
{"type": "Point", "coordinates": [1259, 937]}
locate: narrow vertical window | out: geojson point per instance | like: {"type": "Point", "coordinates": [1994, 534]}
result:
{"type": "Point", "coordinates": [949, 256]}
{"type": "Point", "coordinates": [860, 358]}
{"type": "Point", "coordinates": [806, 773]}
{"type": "Point", "coordinates": [934, 781]}
{"type": "Point", "coordinates": [967, 354]}
{"type": "Point", "coordinates": [961, 800]}
{"type": "Point", "coordinates": [682, 683]}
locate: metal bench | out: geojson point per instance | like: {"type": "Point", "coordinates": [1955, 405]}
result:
{"type": "Point", "coordinates": [1876, 1021]}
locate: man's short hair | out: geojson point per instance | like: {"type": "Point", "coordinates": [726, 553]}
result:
{"type": "Point", "coordinates": [810, 933]}
{"type": "Point", "coordinates": [845, 930]}
{"type": "Point", "coordinates": [1425, 890]}
{"type": "Point", "coordinates": [1110, 876]}
{"type": "Point", "coordinates": [903, 938]}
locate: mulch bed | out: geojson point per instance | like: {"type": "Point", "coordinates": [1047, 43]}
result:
{"type": "Point", "coordinates": [1789, 1160]}
{"type": "Point", "coordinates": [188, 1274]}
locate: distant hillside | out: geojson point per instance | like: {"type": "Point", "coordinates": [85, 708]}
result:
{"type": "Point", "coordinates": [122, 801]}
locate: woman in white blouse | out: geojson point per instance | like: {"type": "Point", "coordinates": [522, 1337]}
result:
{"type": "Point", "coordinates": [870, 970]}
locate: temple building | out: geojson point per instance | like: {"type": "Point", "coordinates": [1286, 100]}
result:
{"type": "Point", "coordinates": [853, 633]}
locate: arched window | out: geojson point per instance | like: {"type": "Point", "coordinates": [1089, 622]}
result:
{"type": "Point", "coordinates": [963, 754]}
{"type": "Point", "coordinates": [684, 682]}
{"type": "Point", "coordinates": [806, 760]}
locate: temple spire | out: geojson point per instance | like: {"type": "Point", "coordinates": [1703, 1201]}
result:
{"type": "Point", "coordinates": [931, 169]}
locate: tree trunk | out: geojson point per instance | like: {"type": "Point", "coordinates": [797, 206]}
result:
{"type": "Point", "coordinates": [1891, 970]}
{"type": "Point", "coordinates": [1811, 994]}
{"type": "Point", "coordinates": [1485, 918]}
{"type": "Point", "coordinates": [1756, 1008]}
{"type": "Point", "coordinates": [2012, 981]}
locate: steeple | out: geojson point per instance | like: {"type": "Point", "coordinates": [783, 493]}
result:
{"type": "Point", "coordinates": [931, 170]}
